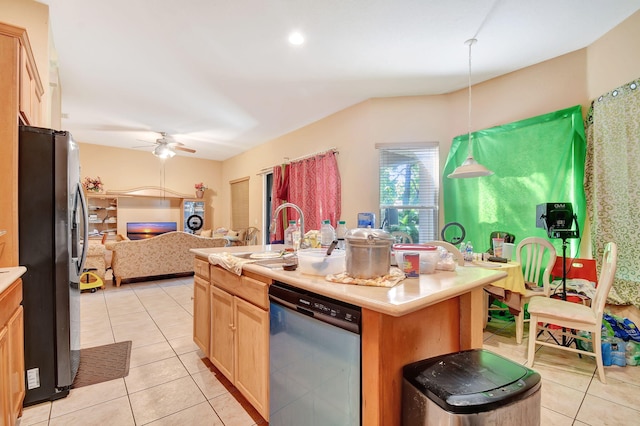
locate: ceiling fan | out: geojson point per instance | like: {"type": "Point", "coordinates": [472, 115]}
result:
{"type": "Point", "coordinates": [166, 146]}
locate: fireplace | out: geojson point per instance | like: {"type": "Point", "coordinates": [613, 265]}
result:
{"type": "Point", "coordinates": [143, 230]}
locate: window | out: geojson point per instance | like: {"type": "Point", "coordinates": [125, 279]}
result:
{"type": "Point", "coordinates": [240, 203]}
{"type": "Point", "coordinates": [409, 185]}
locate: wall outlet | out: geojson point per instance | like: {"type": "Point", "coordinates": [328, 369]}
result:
{"type": "Point", "coordinates": [33, 378]}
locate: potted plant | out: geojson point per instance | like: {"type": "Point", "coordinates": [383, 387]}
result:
{"type": "Point", "coordinates": [200, 188]}
{"type": "Point", "coordinates": [93, 185]}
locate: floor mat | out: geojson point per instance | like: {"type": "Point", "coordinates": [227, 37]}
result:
{"type": "Point", "coordinates": [103, 363]}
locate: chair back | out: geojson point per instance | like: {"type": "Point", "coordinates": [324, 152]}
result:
{"type": "Point", "coordinates": [531, 253]}
{"type": "Point", "coordinates": [605, 280]}
{"type": "Point", "coordinates": [251, 236]}
{"type": "Point", "coordinates": [402, 237]}
{"type": "Point", "coordinates": [457, 255]}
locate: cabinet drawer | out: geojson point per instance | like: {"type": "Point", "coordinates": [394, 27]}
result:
{"type": "Point", "coordinates": [249, 289]}
{"type": "Point", "coordinates": [224, 279]}
{"type": "Point", "coordinates": [255, 292]}
{"type": "Point", "coordinates": [201, 268]}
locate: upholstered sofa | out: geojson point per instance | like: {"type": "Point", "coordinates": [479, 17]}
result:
{"type": "Point", "coordinates": [165, 254]}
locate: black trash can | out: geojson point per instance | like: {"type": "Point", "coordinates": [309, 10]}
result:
{"type": "Point", "coordinates": [473, 387]}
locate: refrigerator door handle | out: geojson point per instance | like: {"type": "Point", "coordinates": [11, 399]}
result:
{"type": "Point", "coordinates": [81, 202]}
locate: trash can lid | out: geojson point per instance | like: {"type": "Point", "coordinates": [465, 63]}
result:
{"type": "Point", "coordinates": [472, 381]}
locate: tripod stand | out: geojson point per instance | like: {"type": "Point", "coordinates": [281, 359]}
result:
{"type": "Point", "coordinates": [565, 235]}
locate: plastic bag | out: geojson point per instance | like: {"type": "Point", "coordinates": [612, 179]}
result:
{"type": "Point", "coordinates": [622, 328]}
{"type": "Point", "coordinates": [446, 262]}
{"type": "Point", "coordinates": [633, 353]}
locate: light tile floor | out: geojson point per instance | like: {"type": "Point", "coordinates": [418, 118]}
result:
{"type": "Point", "coordinates": [170, 382]}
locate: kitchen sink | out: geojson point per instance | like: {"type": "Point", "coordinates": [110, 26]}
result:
{"type": "Point", "coordinates": [267, 262]}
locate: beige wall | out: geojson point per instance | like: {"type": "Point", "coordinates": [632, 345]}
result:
{"type": "Point", "coordinates": [614, 59]}
{"type": "Point", "coordinates": [572, 79]}
{"type": "Point", "coordinates": [543, 88]}
{"type": "Point", "coordinates": [123, 169]}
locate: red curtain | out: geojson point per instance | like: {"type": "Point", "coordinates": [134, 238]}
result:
{"type": "Point", "coordinates": [313, 184]}
{"type": "Point", "coordinates": [280, 195]}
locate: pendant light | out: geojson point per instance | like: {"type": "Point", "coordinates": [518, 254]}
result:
{"type": "Point", "coordinates": [470, 168]}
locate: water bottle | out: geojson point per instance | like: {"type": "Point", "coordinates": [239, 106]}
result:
{"type": "Point", "coordinates": [327, 233]}
{"type": "Point", "coordinates": [468, 256]}
{"type": "Point", "coordinates": [288, 234]}
{"type": "Point", "coordinates": [341, 231]}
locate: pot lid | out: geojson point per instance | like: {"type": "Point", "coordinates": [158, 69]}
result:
{"type": "Point", "coordinates": [414, 247]}
{"type": "Point", "coordinates": [364, 234]}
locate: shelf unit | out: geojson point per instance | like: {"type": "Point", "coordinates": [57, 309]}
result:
{"type": "Point", "coordinates": [191, 207]}
{"type": "Point", "coordinates": [103, 215]}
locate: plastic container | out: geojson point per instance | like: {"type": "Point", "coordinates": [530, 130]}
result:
{"type": "Point", "coordinates": [429, 256]}
{"type": "Point", "coordinates": [288, 234]}
{"type": "Point", "coordinates": [327, 233]}
{"type": "Point", "coordinates": [468, 252]}
{"type": "Point", "coordinates": [341, 232]}
{"type": "Point", "coordinates": [316, 262]}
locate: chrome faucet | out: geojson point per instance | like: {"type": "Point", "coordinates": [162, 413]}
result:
{"type": "Point", "coordinates": [272, 227]}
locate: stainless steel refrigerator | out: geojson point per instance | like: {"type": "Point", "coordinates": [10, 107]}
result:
{"type": "Point", "coordinates": [52, 227]}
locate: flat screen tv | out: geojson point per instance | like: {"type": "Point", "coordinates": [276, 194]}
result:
{"type": "Point", "coordinates": [142, 230]}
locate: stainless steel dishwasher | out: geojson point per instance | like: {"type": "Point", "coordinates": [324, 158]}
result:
{"type": "Point", "coordinates": [314, 354]}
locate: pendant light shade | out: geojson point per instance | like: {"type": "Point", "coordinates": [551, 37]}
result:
{"type": "Point", "coordinates": [470, 168]}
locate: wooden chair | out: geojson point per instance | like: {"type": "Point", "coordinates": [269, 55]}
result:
{"type": "Point", "coordinates": [251, 236]}
{"type": "Point", "coordinates": [575, 268]}
{"type": "Point", "coordinates": [530, 253]}
{"type": "Point", "coordinates": [574, 316]}
{"type": "Point", "coordinates": [402, 237]}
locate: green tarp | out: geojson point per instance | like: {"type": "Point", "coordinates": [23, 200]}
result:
{"type": "Point", "coordinates": [537, 160]}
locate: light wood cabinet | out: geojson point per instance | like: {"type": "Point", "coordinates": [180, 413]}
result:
{"type": "Point", "coordinates": [201, 321]}
{"type": "Point", "coordinates": [252, 354]}
{"type": "Point", "coordinates": [239, 340]}
{"type": "Point", "coordinates": [221, 341]}
{"type": "Point", "coordinates": [11, 353]}
{"type": "Point", "coordinates": [201, 305]}
{"type": "Point", "coordinates": [19, 73]}
{"type": "Point", "coordinates": [30, 90]}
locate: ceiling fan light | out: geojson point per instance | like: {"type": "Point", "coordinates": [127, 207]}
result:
{"type": "Point", "coordinates": [163, 151]}
{"type": "Point", "coordinates": [470, 168]}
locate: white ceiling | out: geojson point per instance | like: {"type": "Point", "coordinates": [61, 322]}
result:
{"type": "Point", "coordinates": [220, 76]}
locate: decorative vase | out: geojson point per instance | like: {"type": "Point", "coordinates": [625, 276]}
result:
{"type": "Point", "coordinates": [199, 194]}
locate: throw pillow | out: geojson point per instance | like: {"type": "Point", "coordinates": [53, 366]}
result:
{"type": "Point", "coordinates": [206, 233]}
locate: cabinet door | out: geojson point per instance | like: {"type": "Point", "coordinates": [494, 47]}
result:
{"type": "Point", "coordinates": [16, 361]}
{"type": "Point", "coordinates": [221, 351]}
{"type": "Point", "coordinates": [5, 417]}
{"type": "Point", "coordinates": [30, 95]}
{"type": "Point", "coordinates": [252, 354]}
{"type": "Point", "coordinates": [201, 320]}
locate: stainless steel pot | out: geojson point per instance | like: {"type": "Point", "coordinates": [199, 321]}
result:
{"type": "Point", "coordinates": [368, 252]}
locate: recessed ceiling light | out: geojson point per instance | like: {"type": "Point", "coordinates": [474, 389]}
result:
{"type": "Point", "coordinates": [296, 38]}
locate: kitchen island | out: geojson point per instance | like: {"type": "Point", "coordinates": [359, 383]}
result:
{"type": "Point", "coordinates": [418, 318]}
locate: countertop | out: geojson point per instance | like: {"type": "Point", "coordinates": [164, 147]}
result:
{"type": "Point", "coordinates": [9, 275]}
{"type": "Point", "coordinates": [409, 295]}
